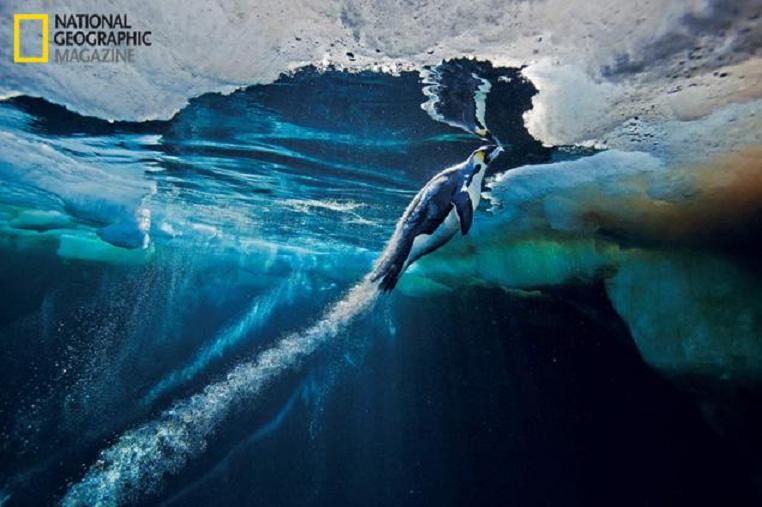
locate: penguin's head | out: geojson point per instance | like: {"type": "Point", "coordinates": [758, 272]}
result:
{"type": "Point", "coordinates": [483, 156]}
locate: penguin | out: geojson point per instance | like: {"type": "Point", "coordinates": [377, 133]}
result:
{"type": "Point", "coordinates": [444, 205]}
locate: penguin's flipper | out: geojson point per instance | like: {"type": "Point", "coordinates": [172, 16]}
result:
{"type": "Point", "coordinates": [465, 210]}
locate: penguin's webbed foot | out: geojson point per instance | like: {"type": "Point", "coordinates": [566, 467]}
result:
{"type": "Point", "coordinates": [389, 278]}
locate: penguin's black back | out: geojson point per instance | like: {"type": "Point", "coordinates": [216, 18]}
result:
{"type": "Point", "coordinates": [424, 215]}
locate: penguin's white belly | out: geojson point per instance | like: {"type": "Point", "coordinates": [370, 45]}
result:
{"type": "Point", "coordinates": [425, 243]}
{"type": "Point", "coordinates": [475, 190]}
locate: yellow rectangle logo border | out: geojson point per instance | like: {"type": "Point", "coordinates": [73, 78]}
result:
{"type": "Point", "coordinates": [17, 19]}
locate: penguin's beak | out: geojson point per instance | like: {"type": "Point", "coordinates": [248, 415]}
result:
{"type": "Point", "coordinates": [491, 153]}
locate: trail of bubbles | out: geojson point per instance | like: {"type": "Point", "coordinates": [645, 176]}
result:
{"type": "Point", "coordinates": [138, 461]}
{"type": "Point", "coordinates": [259, 312]}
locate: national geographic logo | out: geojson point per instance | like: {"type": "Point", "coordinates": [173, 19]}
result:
{"type": "Point", "coordinates": [28, 19]}
{"type": "Point", "coordinates": [77, 38]}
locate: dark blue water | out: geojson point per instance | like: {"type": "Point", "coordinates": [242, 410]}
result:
{"type": "Point", "coordinates": [256, 211]}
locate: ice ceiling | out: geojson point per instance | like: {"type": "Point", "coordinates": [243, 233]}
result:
{"type": "Point", "coordinates": [610, 73]}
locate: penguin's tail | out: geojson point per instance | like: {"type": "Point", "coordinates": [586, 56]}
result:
{"type": "Point", "coordinates": [391, 265]}
{"type": "Point", "coordinates": [389, 276]}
